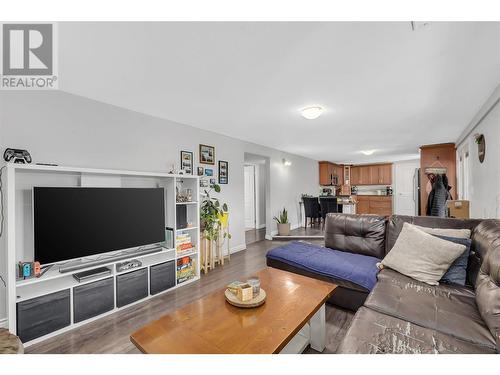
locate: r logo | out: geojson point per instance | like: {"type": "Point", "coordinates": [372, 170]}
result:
{"type": "Point", "coordinates": [27, 49]}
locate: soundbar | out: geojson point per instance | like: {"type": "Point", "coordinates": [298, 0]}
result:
{"type": "Point", "coordinates": [90, 263]}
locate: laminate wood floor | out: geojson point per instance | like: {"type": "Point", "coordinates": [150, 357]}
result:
{"type": "Point", "coordinates": [111, 334]}
{"type": "Point", "coordinates": [254, 235]}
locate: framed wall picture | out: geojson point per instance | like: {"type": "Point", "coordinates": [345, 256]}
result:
{"type": "Point", "coordinates": [203, 182]}
{"type": "Point", "coordinates": [212, 182]}
{"type": "Point", "coordinates": [187, 162]}
{"type": "Point", "coordinates": [201, 172]}
{"type": "Point", "coordinates": [223, 172]}
{"type": "Point", "coordinates": [207, 154]}
{"type": "Point", "coordinates": [209, 172]}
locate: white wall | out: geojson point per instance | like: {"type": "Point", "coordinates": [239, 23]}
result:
{"type": "Point", "coordinates": [70, 130]}
{"type": "Point", "coordinates": [484, 178]}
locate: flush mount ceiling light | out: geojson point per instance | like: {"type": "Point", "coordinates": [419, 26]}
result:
{"type": "Point", "coordinates": [286, 163]}
{"type": "Point", "coordinates": [312, 112]}
{"type": "Point", "coordinates": [368, 152]}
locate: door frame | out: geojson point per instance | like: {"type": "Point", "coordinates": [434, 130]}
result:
{"type": "Point", "coordinates": [254, 200]}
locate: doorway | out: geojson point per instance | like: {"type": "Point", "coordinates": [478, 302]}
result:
{"type": "Point", "coordinates": [250, 214]}
{"type": "Point", "coordinates": [255, 185]}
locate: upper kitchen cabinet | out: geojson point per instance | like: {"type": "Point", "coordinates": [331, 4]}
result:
{"type": "Point", "coordinates": [373, 174]}
{"type": "Point", "coordinates": [355, 175]}
{"type": "Point", "coordinates": [365, 175]}
{"type": "Point", "coordinates": [376, 174]}
{"type": "Point", "coordinates": [330, 173]}
{"type": "Point", "coordinates": [385, 174]}
{"type": "Point", "coordinates": [325, 173]}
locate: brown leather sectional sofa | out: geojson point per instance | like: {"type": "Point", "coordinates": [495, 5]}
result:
{"type": "Point", "coordinates": [403, 315]}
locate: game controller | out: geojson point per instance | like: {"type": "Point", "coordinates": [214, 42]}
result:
{"type": "Point", "coordinates": [17, 156]}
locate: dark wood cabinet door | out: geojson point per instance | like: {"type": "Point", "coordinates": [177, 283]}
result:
{"type": "Point", "coordinates": [374, 175]}
{"type": "Point", "coordinates": [365, 176]}
{"type": "Point", "coordinates": [363, 206]}
{"type": "Point", "coordinates": [324, 173]}
{"type": "Point", "coordinates": [385, 174]}
{"type": "Point", "coordinates": [355, 176]}
{"type": "Point", "coordinates": [340, 174]}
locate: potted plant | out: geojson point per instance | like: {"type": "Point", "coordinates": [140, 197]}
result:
{"type": "Point", "coordinates": [212, 215]}
{"type": "Point", "coordinates": [283, 224]}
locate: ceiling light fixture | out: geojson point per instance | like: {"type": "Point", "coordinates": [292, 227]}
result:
{"type": "Point", "coordinates": [286, 163]}
{"type": "Point", "coordinates": [368, 152]}
{"type": "Point", "coordinates": [312, 112]}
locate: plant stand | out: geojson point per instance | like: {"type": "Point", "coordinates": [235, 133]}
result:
{"type": "Point", "coordinates": [212, 251]}
{"type": "Point", "coordinates": [206, 254]}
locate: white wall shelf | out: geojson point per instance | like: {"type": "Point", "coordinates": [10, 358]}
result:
{"type": "Point", "coordinates": [19, 183]}
{"type": "Point", "coordinates": [185, 229]}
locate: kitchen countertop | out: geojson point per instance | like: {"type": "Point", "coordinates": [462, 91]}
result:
{"type": "Point", "coordinates": [372, 195]}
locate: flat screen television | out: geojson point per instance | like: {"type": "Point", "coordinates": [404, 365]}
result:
{"type": "Point", "coordinates": [77, 222]}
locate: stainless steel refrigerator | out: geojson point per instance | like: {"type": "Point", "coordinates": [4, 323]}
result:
{"type": "Point", "coordinates": [416, 191]}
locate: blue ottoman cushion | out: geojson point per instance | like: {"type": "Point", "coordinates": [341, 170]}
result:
{"type": "Point", "coordinates": [358, 269]}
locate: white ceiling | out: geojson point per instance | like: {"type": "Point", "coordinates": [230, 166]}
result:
{"type": "Point", "coordinates": [383, 85]}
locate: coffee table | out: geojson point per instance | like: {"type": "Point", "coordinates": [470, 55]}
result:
{"type": "Point", "coordinates": [292, 318]}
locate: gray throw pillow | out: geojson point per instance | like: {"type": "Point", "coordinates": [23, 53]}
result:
{"type": "Point", "coordinates": [457, 233]}
{"type": "Point", "coordinates": [422, 256]}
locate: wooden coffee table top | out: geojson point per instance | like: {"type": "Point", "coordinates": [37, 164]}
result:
{"type": "Point", "coordinates": [211, 325]}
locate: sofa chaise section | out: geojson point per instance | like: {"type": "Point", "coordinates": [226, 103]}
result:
{"type": "Point", "coordinates": [353, 245]}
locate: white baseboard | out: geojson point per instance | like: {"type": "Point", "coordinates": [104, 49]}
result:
{"type": "Point", "coordinates": [237, 248]}
{"type": "Point", "coordinates": [3, 323]}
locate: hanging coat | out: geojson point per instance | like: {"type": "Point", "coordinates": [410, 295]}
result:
{"type": "Point", "coordinates": [436, 205]}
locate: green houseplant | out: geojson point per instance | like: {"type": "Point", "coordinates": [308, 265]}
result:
{"type": "Point", "coordinates": [283, 224]}
{"type": "Point", "coordinates": [211, 214]}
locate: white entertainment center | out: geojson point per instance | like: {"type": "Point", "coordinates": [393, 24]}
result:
{"type": "Point", "coordinates": [58, 300]}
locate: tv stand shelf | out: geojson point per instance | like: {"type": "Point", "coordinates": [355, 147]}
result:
{"type": "Point", "coordinates": [156, 275]}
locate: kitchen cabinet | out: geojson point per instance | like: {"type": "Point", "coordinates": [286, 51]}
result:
{"type": "Point", "coordinates": [374, 204]}
{"type": "Point", "coordinates": [363, 206]}
{"type": "Point", "coordinates": [329, 170]}
{"type": "Point", "coordinates": [365, 175]}
{"type": "Point", "coordinates": [355, 176]}
{"type": "Point", "coordinates": [324, 173]}
{"type": "Point", "coordinates": [376, 174]}
{"type": "Point", "coordinates": [385, 174]}
{"type": "Point", "coordinates": [373, 174]}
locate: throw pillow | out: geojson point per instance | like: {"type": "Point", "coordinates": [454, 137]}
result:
{"type": "Point", "coordinates": [457, 233]}
{"type": "Point", "coordinates": [421, 255]}
{"type": "Point", "coordinates": [457, 273]}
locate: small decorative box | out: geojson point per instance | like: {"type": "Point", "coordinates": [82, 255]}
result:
{"type": "Point", "coordinates": [234, 286]}
{"type": "Point", "coordinates": [245, 292]}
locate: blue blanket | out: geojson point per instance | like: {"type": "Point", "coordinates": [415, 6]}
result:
{"type": "Point", "coordinates": [358, 269]}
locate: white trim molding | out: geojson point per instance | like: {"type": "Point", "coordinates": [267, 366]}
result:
{"type": "Point", "coordinates": [237, 248]}
{"type": "Point", "coordinates": [4, 323]}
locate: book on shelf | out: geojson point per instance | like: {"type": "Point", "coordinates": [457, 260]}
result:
{"type": "Point", "coordinates": [186, 269]}
{"type": "Point", "coordinates": [185, 247]}
{"type": "Point", "coordinates": [184, 279]}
